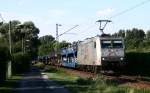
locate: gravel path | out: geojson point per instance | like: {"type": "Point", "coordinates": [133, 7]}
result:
{"type": "Point", "coordinates": [35, 82]}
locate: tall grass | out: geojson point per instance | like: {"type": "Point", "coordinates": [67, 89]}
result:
{"type": "Point", "coordinates": [90, 85]}
{"type": "Point", "coordinates": [102, 85]}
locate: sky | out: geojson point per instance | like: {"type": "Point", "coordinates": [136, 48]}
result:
{"type": "Point", "coordinates": [84, 13]}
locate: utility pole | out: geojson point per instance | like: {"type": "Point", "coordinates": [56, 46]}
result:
{"type": "Point", "coordinates": [9, 73]}
{"type": "Point", "coordinates": [57, 42]}
{"type": "Point", "coordinates": [57, 37]}
{"type": "Point", "coordinates": [22, 46]}
{"type": "Point", "coordinates": [10, 37]}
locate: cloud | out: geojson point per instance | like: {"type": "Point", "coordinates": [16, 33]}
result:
{"type": "Point", "coordinates": [21, 2]}
{"type": "Point", "coordinates": [57, 12]}
{"type": "Point", "coordinates": [105, 12]}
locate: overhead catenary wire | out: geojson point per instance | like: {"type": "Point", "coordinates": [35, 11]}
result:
{"type": "Point", "coordinates": [2, 18]}
{"type": "Point", "coordinates": [68, 30]}
{"type": "Point", "coordinates": [129, 9]}
{"type": "Point", "coordinates": [87, 28]}
{"type": "Point", "coordinates": [121, 13]}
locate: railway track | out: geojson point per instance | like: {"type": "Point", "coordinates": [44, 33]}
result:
{"type": "Point", "coordinates": [132, 81]}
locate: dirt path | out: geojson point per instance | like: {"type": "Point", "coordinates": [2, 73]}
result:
{"type": "Point", "coordinates": [34, 82]}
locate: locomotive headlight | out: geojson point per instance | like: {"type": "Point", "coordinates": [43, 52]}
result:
{"type": "Point", "coordinates": [103, 58]}
{"type": "Point", "coordinates": [121, 58]}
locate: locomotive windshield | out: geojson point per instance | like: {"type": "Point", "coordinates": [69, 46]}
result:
{"type": "Point", "coordinates": [106, 44]}
{"type": "Point", "coordinates": [117, 44]}
{"type": "Point", "coordinates": [111, 44]}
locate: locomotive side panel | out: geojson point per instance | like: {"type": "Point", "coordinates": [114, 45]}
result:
{"type": "Point", "coordinates": [98, 52]}
{"type": "Point", "coordinates": [87, 53]}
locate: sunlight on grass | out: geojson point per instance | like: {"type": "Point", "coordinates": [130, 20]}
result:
{"type": "Point", "coordinates": [99, 85]}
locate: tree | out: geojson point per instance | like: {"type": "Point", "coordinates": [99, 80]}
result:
{"type": "Point", "coordinates": [4, 58]}
{"type": "Point", "coordinates": [47, 45]}
{"type": "Point", "coordinates": [31, 38]}
{"type": "Point", "coordinates": [47, 39]}
{"type": "Point", "coordinates": [121, 33]}
{"type": "Point", "coordinates": [20, 34]}
{"type": "Point", "coordinates": [134, 38]}
{"type": "Point", "coordinates": [64, 44]}
{"type": "Point", "coordinates": [148, 34]}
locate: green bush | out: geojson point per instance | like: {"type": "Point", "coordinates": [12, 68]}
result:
{"type": "Point", "coordinates": [4, 58]}
{"type": "Point", "coordinates": [52, 69]}
{"type": "Point", "coordinates": [4, 54]}
{"type": "Point", "coordinates": [82, 81]}
{"type": "Point", "coordinates": [39, 65]}
{"type": "Point", "coordinates": [21, 63]}
{"type": "Point", "coordinates": [138, 63]}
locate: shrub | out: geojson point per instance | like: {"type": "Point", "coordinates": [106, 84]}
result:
{"type": "Point", "coordinates": [4, 57]}
{"type": "Point", "coordinates": [4, 54]}
{"type": "Point", "coordinates": [52, 69]}
{"type": "Point", "coordinates": [39, 65]}
{"type": "Point", "coordinates": [138, 62]}
{"type": "Point", "coordinates": [21, 63]}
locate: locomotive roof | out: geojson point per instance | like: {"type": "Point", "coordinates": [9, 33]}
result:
{"type": "Point", "coordinates": [101, 38]}
{"type": "Point", "coordinates": [104, 37]}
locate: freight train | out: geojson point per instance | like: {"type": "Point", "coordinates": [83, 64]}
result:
{"type": "Point", "coordinates": [101, 52]}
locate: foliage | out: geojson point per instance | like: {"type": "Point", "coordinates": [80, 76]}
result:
{"type": "Point", "coordinates": [64, 44]}
{"type": "Point", "coordinates": [4, 57]}
{"type": "Point", "coordinates": [48, 44]}
{"type": "Point", "coordinates": [89, 85]}
{"type": "Point", "coordinates": [39, 65]}
{"type": "Point", "coordinates": [138, 63]}
{"type": "Point", "coordinates": [135, 38]}
{"type": "Point", "coordinates": [4, 53]}
{"type": "Point", "coordinates": [24, 36]}
{"type": "Point", "coordinates": [21, 63]}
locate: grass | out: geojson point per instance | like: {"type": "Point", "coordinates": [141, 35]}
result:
{"type": "Point", "coordinates": [9, 84]}
{"type": "Point", "coordinates": [99, 85]}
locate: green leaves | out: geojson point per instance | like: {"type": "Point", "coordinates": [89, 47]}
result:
{"type": "Point", "coordinates": [134, 38]}
{"type": "Point", "coordinates": [20, 33]}
{"type": "Point", "coordinates": [4, 53]}
{"type": "Point", "coordinates": [48, 44]}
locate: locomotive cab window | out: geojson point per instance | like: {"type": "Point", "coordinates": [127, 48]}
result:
{"type": "Point", "coordinates": [94, 44]}
{"type": "Point", "coordinates": [106, 44]}
{"type": "Point", "coordinates": [117, 44]}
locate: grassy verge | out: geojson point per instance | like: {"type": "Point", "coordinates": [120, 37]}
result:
{"type": "Point", "coordinates": [79, 85]}
{"type": "Point", "coordinates": [7, 86]}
